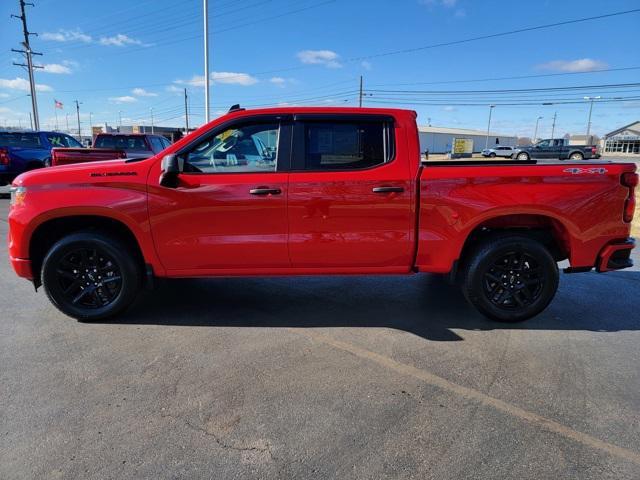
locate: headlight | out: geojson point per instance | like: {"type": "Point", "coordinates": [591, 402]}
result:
{"type": "Point", "coordinates": [18, 195]}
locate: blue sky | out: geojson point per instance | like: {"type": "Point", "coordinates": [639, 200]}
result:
{"type": "Point", "coordinates": [122, 58]}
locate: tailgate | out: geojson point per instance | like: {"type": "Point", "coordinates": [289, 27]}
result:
{"type": "Point", "coordinates": [66, 156]}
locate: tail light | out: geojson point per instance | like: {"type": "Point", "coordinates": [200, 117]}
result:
{"type": "Point", "coordinates": [593, 150]}
{"type": "Point", "coordinates": [4, 156]}
{"type": "Point", "coordinates": [629, 180]}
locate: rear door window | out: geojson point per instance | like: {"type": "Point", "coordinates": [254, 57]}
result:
{"type": "Point", "coordinates": [122, 142]}
{"type": "Point", "coordinates": [329, 145]}
{"type": "Point", "coordinates": [61, 140]}
{"type": "Point", "coordinates": [18, 139]}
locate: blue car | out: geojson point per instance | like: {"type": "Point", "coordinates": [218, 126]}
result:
{"type": "Point", "coordinates": [22, 151]}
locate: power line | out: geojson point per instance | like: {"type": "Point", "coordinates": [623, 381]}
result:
{"type": "Point", "coordinates": [518, 77]}
{"type": "Point", "coordinates": [492, 35]}
{"type": "Point", "coordinates": [512, 90]}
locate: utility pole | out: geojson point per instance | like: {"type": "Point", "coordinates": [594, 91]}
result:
{"type": "Point", "coordinates": [553, 127]}
{"type": "Point", "coordinates": [206, 61]}
{"type": "Point", "coordinates": [67, 117]}
{"type": "Point", "coordinates": [31, 120]}
{"type": "Point", "coordinates": [29, 66]}
{"type": "Point", "coordinates": [152, 130]}
{"type": "Point", "coordinates": [590, 110]}
{"type": "Point", "coordinates": [186, 113]}
{"type": "Point", "coordinates": [428, 121]}
{"type": "Point", "coordinates": [119, 120]}
{"type": "Point", "coordinates": [360, 96]}
{"type": "Point", "coordinates": [91, 126]}
{"type": "Point", "coordinates": [535, 134]}
{"type": "Point", "coordinates": [486, 143]}
{"type": "Point", "coordinates": [78, 115]}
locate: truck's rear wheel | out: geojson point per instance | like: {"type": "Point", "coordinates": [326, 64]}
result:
{"type": "Point", "coordinates": [510, 278]}
{"type": "Point", "coordinates": [576, 156]}
{"type": "Point", "coordinates": [90, 276]}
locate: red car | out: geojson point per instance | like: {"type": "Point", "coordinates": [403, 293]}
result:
{"type": "Point", "coordinates": [315, 191]}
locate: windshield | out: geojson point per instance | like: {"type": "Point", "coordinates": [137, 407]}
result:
{"type": "Point", "coordinates": [122, 142]}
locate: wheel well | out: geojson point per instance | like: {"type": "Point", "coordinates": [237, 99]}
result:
{"type": "Point", "coordinates": [34, 164]}
{"type": "Point", "coordinates": [548, 231]}
{"type": "Point", "coordinates": [49, 232]}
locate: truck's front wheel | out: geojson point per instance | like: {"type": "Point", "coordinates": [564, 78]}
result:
{"type": "Point", "coordinates": [90, 276]}
{"type": "Point", "coordinates": [510, 278]}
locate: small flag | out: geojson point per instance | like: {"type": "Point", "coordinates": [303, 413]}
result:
{"type": "Point", "coordinates": [58, 104]}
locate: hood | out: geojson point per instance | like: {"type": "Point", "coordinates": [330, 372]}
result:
{"type": "Point", "coordinates": [77, 172]}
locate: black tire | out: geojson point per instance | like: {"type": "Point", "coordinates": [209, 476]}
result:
{"type": "Point", "coordinates": [46, 162]}
{"type": "Point", "coordinates": [522, 156]}
{"type": "Point", "coordinates": [576, 156]}
{"type": "Point", "coordinates": [510, 278]}
{"type": "Point", "coordinates": [90, 276]}
{"type": "Point", "coordinates": [492, 155]}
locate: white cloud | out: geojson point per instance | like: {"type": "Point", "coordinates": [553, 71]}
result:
{"type": "Point", "coordinates": [123, 99]}
{"type": "Point", "coordinates": [119, 40]}
{"type": "Point", "coordinates": [66, 36]}
{"type": "Point", "coordinates": [327, 58]}
{"type": "Point", "coordinates": [173, 89]}
{"type": "Point", "coordinates": [444, 3]}
{"type": "Point", "coordinates": [580, 65]}
{"type": "Point", "coordinates": [4, 95]}
{"type": "Point", "coordinates": [460, 13]}
{"type": "Point", "coordinates": [230, 78]}
{"type": "Point", "coordinates": [56, 68]}
{"type": "Point", "coordinates": [22, 84]}
{"type": "Point", "coordinates": [141, 92]}
{"type": "Point", "coordinates": [366, 65]}
{"type": "Point", "coordinates": [278, 81]}
{"type": "Point", "coordinates": [449, 108]}
{"type": "Point", "coordinates": [233, 78]}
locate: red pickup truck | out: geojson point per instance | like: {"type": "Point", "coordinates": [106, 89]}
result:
{"type": "Point", "coordinates": [306, 191]}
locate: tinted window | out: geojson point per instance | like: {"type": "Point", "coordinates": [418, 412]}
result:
{"type": "Point", "coordinates": [122, 142]}
{"type": "Point", "coordinates": [61, 140]}
{"type": "Point", "coordinates": [16, 139]}
{"type": "Point", "coordinates": [165, 142]}
{"type": "Point", "coordinates": [244, 148]}
{"type": "Point", "coordinates": [345, 145]}
{"type": "Point", "coordinates": [156, 144]}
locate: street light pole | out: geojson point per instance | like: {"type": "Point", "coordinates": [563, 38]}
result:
{"type": "Point", "coordinates": [535, 134]}
{"type": "Point", "coordinates": [78, 115]}
{"type": "Point", "coordinates": [206, 61]}
{"type": "Point", "coordinates": [152, 131]}
{"type": "Point", "coordinates": [486, 143]}
{"type": "Point", "coordinates": [590, 110]}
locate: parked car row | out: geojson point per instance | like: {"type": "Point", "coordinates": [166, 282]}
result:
{"type": "Point", "coordinates": [557, 148]}
{"type": "Point", "coordinates": [24, 151]}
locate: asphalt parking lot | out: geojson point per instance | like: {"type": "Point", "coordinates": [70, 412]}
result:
{"type": "Point", "coordinates": [385, 377]}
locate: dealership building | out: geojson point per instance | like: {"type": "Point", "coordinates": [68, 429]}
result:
{"type": "Point", "coordinates": [625, 140]}
{"type": "Point", "coordinates": [440, 139]}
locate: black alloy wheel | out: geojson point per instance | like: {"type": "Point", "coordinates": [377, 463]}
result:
{"type": "Point", "coordinates": [510, 277]}
{"type": "Point", "coordinates": [91, 275]}
{"type": "Point", "coordinates": [513, 281]}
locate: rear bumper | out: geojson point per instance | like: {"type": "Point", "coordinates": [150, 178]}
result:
{"type": "Point", "coordinates": [22, 267]}
{"type": "Point", "coordinates": [616, 256]}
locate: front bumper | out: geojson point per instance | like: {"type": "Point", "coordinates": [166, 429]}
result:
{"type": "Point", "coordinates": [22, 267]}
{"type": "Point", "coordinates": [616, 256]}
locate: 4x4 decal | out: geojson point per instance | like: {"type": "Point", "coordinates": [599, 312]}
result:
{"type": "Point", "coordinates": [592, 170]}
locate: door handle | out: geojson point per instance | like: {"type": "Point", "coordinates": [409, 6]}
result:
{"type": "Point", "coordinates": [387, 189]}
{"type": "Point", "coordinates": [265, 191]}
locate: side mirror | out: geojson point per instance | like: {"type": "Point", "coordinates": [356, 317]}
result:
{"type": "Point", "coordinates": [171, 167]}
